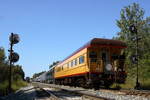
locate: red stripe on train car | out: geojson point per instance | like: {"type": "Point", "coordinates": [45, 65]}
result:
{"type": "Point", "coordinates": [108, 46]}
{"type": "Point", "coordinates": [75, 53]}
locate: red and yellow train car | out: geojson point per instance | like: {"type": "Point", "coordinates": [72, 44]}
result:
{"type": "Point", "coordinates": [98, 62]}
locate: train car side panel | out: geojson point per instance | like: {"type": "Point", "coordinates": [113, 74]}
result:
{"type": "Point", "coordinates": [73, 66]}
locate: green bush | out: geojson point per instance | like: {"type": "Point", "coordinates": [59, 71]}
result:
{"type": "Point", "coordinates": [145, 84]}
{"type": "Point", "coordinates": [18, 84]}
{"type": "Point", "coordinates": [131, 83]}
{"type": "Point", "coordinates": [116, 86]}
{"type": "Point", "coordinates": [4, 88]}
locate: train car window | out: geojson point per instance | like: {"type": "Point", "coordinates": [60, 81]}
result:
{"type": "Point", "coordinates": [114, 57]}
{"type": "Point", "coordinates": [49, 73]}
{"type": "Point", "coordinates": [68, 65]}
{"type": "Point", "coordinates": [93, 56]}
{"type": "Point", "coordinates": [81, 60]}
{"type": "Point", "coordinates": [71, 63]}
{"type": "Point", "coordinates": [62, 67]}
{"type": "Point", "coordinates": [76, 62]}
{"type": "Point", "coordinates": [58, 69]}
{"type": "Point", "coordinates": [104, 55]}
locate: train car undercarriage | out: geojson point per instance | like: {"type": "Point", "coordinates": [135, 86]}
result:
{"type": "Point", "coordinates": [89, 80]}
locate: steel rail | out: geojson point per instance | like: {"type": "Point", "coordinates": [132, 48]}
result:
{"type": "Point", "coordinates": [143, 93]}
{"type": "Point", "coordinates": [84, 95]}
{"type": "Point", "coordinates": [52, 96]}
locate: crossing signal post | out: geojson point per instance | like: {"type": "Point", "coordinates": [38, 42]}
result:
{"type": "Point", "coordinates": [134, 58]}
{"type": "Point", "coordinates": [13, 57]}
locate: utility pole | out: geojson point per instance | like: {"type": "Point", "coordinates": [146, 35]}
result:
{"type": "Point", "coordinates": [11, 45]}
{"type": "Point", "coordinates": [13, 57]}
{"type": "Point", "coordinates": [134, 58]}
{"type": "Point", "coordinates": [137, 81]}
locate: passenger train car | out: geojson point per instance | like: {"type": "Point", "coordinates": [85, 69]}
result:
{"type": "Point", "coordinates": [49, 76]}
{"type": "Point", "coordinates": [98, 62]}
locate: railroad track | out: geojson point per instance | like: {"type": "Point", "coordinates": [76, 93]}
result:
{"type": "Point", "coordinates": [52, 96]}
{"type": "Point", "coordinates": [59, 93]}
{"type": "Point", "coordinates": [142, 93]}
{"type": "Point", "coordinates": [101, 94]}
{"type": "Point", "coordinates": [41, 93]}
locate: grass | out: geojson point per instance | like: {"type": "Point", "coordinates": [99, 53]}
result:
{"type": "Point", "coordinates": [145, 84]}
{"type": "Point", "coordinates": [15, 86]}
{"type": "Point", "coordinates": [3, 88]}
{"type": "Point", "coordinates": [116, 86]}
{"type": "Point", "coordinates": [131, 83]}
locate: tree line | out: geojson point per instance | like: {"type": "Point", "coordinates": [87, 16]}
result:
{"type": "Point", "coordinates": [40, 73]}
{"type": "Point", "coordinates": [17, 73]}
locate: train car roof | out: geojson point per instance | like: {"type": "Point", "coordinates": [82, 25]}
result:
{"type": "Point", "coordinates": [98, 42]}
{"type": "Point", "coordinates": [107, 43]}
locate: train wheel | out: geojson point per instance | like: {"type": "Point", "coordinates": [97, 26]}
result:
{"type": "Point", "coordinates": [107, 85]}
{"type": "Point", "coordinates": [96, 85]}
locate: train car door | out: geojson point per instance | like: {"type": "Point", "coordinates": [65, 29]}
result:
{"type": "Point", "coordinates": [104, 57]}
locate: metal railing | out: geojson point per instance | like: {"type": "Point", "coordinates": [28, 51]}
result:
{"type": "Point", "coordinates": [120, 64]}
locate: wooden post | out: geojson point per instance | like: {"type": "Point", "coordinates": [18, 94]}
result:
{"type": "Point", "coordinates": [10, 62]}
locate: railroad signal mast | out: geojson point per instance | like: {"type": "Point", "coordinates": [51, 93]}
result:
{"type": "Point", "coordinates": [13, 57]}
{"type": "Point", "coordinates": [134, 58]}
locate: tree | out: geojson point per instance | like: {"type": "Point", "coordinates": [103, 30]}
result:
{"type": "Point", "coordinates": [38, 74]}
{"type": "Point", "coordinates": [17, 73]}
{"type": "Point", "coordinates": [54, 63]}
{"type": "Point", "coordinates": [4, 68]}
{"type": "Point", "coordinates": [129, 16]}
{"type": "Point", "coordinates": [2, 55]}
